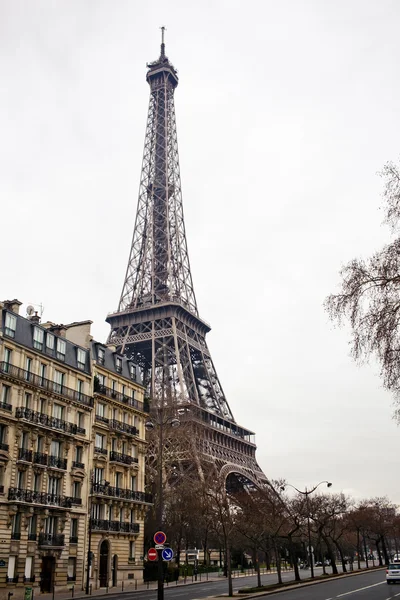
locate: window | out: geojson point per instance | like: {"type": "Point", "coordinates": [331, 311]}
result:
{"type": "Point", "coordinates": [40, 442]}
{"type": "Point", "coordinates": [123, 390]}
{"type": "Point", "coordinates": [28, 368]}
{"type": "Point", "coordinates": [102, 379]}
{"type": "Point", "coordinates": [16, 526]}
{"type": "Point", "coordinates": [71, 568]}
{"type": "Point", "coordinates": [118, 364]}
{"type": "Point", "coordinates": [134, 451]}
{"type": "Point", "coordinates": [115, 413]}
{"type": "Point", "coordinates": [20, 480]}
{"type": "Point", "coordinates": [49, 343]}
{"type": "Point", "coordinates": [55, 448]}
{"type": "Point", "coordinates": [81, 359]}
{"type": "Point", "coordinates": [113, 444]}
{"type": "Point", "coordinates": [78, 454]}
{"type": "Point", "coordinates": [58, 381]}
{"type": "Point", "coordinates": [50, 525]}
{"type": "Point", "coordinates": [124, 447]}
{"type": "Point", "coordinates": [132, 371]}
{"type": "Point", "coordinates": [53, 486]}
{"type": "Point", "coordinates": [131, 549]}
{"type": "Point", "coordinates": [132, 515]}
{"type": "Point", "coordinates": [61, 349]}
{"type": "Point", "coordinates": [32, 527]}
{"type": "Point", "coordinates": [101, 355]}
{"type": "Point", "coordinates": [121, 515]}
{"type": "Point", "coordinates": [27, 400]}
{"type": "Point", "coordinates": [24, 440]}
{"type": "Point", "coordinates": [6, 394]}
{"type": "Point", "coordinates": [133, 483]}
{"type": "Point", "coordinates": [98, 511]}
{"type": "Point", "coordinates": [76, 489]}
{"type": "Point", "coordinates": [58, 411]}
{"type": "Point", "coordinates": [74, 530]}
{"type": "Point", "coordinates": [37, 483]}
{"type": "Point", "coordinates": [28, 567]}
{"type": "Point", "coordinates": [11, 568]}
{"type": "Point", "coordinates": [100, 409]}
{"type": "Point", "coordinates": [80, 387]}
{"type": "Point", "coordinates": [118, 479]}
{"type": "Point", "coordinates": [100, 439]}
{"type": "Point", "coordinates": [7, 358]}
{"type": "Point", "coordinates": [126, 417]}
{"type": "Point", "coordinates": [10, 325]}
{"type": "Point", "coordinates": [81, 420]}
{"type": "Point", "coordinates": [38, 338]}
{"type": "Point", "coordinates": [43, 405]}
{"type": "Point", "coordinates": [3, 433]}
{"type": "Point", "coordinates": [98, 475]}
{"type": "Point", "coordinates": [113, 385]}
{"type": "Point", "coordinates": [43, 369]}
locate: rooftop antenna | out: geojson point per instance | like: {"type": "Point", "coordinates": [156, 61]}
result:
{"type": "Point", "coordinates": [163, 29]}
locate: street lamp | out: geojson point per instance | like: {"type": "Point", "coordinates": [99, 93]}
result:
{"type": "Point", "coordinates": [89, 552]}
{"type": "Point", "coordinates": [150, 425]}
{"type": "Point", "coordinates": [307, 493]}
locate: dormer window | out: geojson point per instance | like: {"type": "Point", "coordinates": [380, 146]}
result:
{"type": "Point", "coordinates": [118, 364]}
{"type": "Point", "coordinates": [10, 325]}
{"type": "Point", "coordinates": [49, 343]}
{"type": "Point", "coordinates": [61, 349]}
{"type": "Point", "coordinates": [132, 371]}
{"type": "Point", "coordinates": [100, 356]}
{"type": "Point", "coordinates": [38, 338]}
{"type": "Point", "coordinates": [81, 359]}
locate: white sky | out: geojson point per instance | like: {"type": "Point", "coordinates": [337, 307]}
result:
{"type": "Point", "coordinates": [286, 111]}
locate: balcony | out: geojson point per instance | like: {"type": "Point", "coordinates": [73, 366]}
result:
{"type": "Point", "coordinates": [51, 540]}
{"type": "Point", "coordinates": [77, 501]}
{"type": "Point", "coordinates": [110, 393]}
{"type": "Point", "coordinates": [77, 465]}
{"type": "Point", "coordinates": [57, 462]}
{"type": "Point", "coordinates": [101, 419]}
{"type": "Point", "coordinates": [24, 454]}
{"type": "Point", "coordinates": [45, 384]}
{"type": "Point", "coordinates": [123, 427]}
{"type": "Point", "coordinates": [31, 497]}
{"type": "Point", "coordinates": [103, 525]}
{"type": "Point", "coordinates": [42, 419]}
{"type": "Point", "coordinates": [4, 446]}
{"type": "Point", "coordinates": [99, 489]}
{"type": "Point", "coordinates": [122, 458]}
{"type": "Point", "coordinates": [6, 406]}
{"type": "Point", "coordinates": [100, 450]}
{"type": "Point", "coordinates": [12, 579]}
{"type": "Point", "coordinates": [40, 459]}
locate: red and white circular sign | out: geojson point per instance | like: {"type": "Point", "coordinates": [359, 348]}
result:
{"type": "Point", "coordinates": [152, 554]}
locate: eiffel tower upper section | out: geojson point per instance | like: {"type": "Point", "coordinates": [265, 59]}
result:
{"type": "Point", "coordinates": [157, 322]}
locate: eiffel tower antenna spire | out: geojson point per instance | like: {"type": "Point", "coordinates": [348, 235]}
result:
{"type": "Point", "coordinates": [157, 323]}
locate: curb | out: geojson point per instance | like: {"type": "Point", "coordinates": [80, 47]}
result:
{"type": "Point", "coordinates": [298, 585]}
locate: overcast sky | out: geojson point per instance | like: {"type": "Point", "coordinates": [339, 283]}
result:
{"type": "Point", "coordinates": [286, 111]}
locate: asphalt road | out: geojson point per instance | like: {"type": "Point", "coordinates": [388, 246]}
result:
{"type": "Point", "coordinates": [368, 586]}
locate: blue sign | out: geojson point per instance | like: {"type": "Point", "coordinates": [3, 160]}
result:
{"type": "Point", "coordinates": [167, 554]}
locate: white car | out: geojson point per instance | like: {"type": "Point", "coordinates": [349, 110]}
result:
{"type": "Point", "coordinates": [393, 573]}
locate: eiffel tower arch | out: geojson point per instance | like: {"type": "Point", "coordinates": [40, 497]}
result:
{"type": "Point", "coordinates": [157, 323]}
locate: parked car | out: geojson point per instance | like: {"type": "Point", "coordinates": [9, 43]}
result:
{"type": "Point", "coordinates": [393, 573]}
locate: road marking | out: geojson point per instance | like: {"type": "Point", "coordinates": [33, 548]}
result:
{"type": "Point", "coordinates": [367, 587]}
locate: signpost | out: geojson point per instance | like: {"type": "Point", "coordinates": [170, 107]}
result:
{"type": "Point", "coordinates": [159, 538]}
{"type": "Point", "coordinates": [152, 554]}
{"type": "Point", "coordinates": [167, 554]}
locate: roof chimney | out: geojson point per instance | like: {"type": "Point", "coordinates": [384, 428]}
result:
{"type": "Point", "coordinates": [13, 305]}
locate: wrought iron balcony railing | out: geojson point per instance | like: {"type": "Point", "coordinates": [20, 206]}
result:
{"type": "Point", "coordinates": [24, 454]}
{"type": "Point", "coordinates": [4, 446]}
{"type": "Point", "coordinates": [110, 393]}
{"type": "Point", "coordinates": [77, 464]}
{"type": "Point", "coordinates": [123, 427]}
{"type": "Point", "coordinates": [122, 458]}
{"type": "Point", "coordinates": [32, 497]}
{"type": "Point", "coordinates": [100, 450]}
{"type": "Point", "coordinates": [101, 419]}
{"type": "Point", "coordinates": [116, 492]}
{"type": "Point", "coordinates": [52, 540]}
{"type": "Point", "coordinates": [45, 384]}
{"type": "Point", "coordinates": [39, 458]}
{"type": "Point", "coordinates": [57, 462]}
{"type": "Point", "coordinates": [21, 412]}
{"type": "Point", "coordinates": [104, 525]}
{"type": "Point", "coordinates": [5, 406]}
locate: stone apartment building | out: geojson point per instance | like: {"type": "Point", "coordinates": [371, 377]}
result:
{"type": "Point", "coordinates": [71, 444]}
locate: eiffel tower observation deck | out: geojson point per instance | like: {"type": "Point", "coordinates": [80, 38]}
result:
{"type": "Point", "coordinates": [157, 323]}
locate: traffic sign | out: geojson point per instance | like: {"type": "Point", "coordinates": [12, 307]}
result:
{"type": "Point", "coordinates": [152, 554]}
{"type": "Point", "coordinates": [167, 554]}
{"type": "Point", "coordinates": [160, 537]}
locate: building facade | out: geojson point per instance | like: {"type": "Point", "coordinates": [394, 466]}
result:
{"type": "Point", "coordinates": [52, 474]}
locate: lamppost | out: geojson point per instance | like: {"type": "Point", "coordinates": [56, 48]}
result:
{"type": "Point", "coordinates": [89, 552]}
{"type": "Point", "coordinates": [160, 423]}
{"type": "Point", "coordinates": [307, 493]}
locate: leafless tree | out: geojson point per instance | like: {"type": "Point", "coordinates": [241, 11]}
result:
{"type": "Point", "coordinates": [369, 297]}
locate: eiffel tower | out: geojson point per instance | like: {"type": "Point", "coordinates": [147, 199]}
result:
{"type": "Point", "coordinates": [157, 323]}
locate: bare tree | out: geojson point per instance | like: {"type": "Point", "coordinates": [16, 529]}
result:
{"type": "Point", "coordinates": [370, 295]}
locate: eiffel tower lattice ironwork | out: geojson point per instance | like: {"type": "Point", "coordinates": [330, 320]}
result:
{"type": "Point", "coordinates": [157, 323]}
